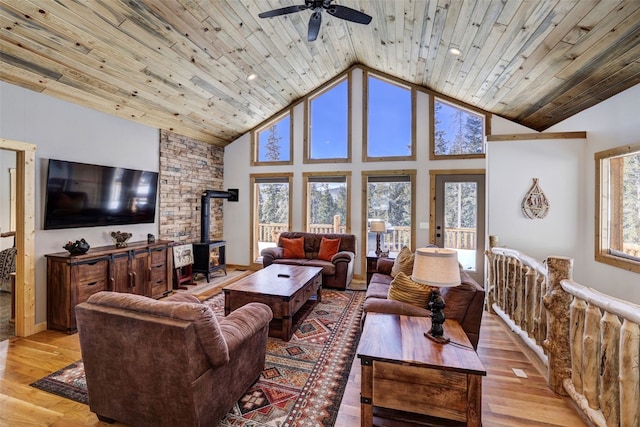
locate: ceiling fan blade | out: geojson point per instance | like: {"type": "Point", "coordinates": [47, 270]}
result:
{"type": "Point", "coordinates": [314, 25]}
{"type": "Point", "coordinates": [282, 11]}
{"type": "Point", "coordinates": [349, 14]}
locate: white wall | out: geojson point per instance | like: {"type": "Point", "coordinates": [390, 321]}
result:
{"type": "Point", "coordinates": [511, 167]}
{"type": "Point", "coordinates": [66, 131]}
{"type": "Point", "coordinates": [566, 169]}
{"type": "Point", "coordinates": [237, 169]}
{"type": "Point", "coordinates": [612, 123]}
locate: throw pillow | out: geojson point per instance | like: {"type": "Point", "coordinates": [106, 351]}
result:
{"type": "Point", "coordinates": [403, 262]}
{"type": "Point", "coordinates": [406, 290]}
{"type": "Point", "coordinates": [328, 248]}
{"type": "Point", "coordinates": [293, 248]}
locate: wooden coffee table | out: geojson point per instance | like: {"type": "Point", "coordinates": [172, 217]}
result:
{"type": "Point", "coordinates": [405, 373]}
{"type": "Point", "coordinates": [284, 288]}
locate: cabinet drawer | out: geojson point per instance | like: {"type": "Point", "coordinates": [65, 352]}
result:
{"type": "Point", "coordinates": [93, 271]}
{"type": "Point", "coordinates": [85, 290]}
{"type": "Point", "coordinates": [158, 273]}
{"type": "Point", "coordinates": [159, 257]}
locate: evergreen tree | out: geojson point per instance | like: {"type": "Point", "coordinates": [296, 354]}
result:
{"type": "Point", "coordinates": [473, 136]}
{"type": "Point", "coordinates": [273, 144]}
{"type": "Point", "coordinates": [631, 199]}
{"type": "Point", "coordinates": [439, 141]}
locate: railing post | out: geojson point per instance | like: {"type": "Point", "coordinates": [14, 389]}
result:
{"type": "Point", "coordinates": [492, 281]}
{"type": "Point", "coordinates": [557, 303]}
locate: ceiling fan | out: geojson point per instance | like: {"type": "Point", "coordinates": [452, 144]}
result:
{"type": "Point", "coordinates": [338, 11]}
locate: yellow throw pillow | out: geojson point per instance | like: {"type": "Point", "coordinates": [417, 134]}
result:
{"type": "Point", "coordinates": [406, 290]}
{"type": "Point", "coordinates": [403, 262]}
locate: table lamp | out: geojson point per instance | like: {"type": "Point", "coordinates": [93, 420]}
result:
{"type": "Point", "coordinates": [437, 268]}
{"type": "Point", "coordinates": [378, 227]}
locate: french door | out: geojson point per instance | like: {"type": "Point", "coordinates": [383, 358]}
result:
{"type": "Point", "coordinates": [459, 218]}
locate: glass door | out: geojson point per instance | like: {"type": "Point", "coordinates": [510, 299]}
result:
{"type": "Point", "coordinates": [460, 219]}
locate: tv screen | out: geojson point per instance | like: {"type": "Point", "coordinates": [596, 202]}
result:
{"type": "Point", "coordinates": [84, 195]}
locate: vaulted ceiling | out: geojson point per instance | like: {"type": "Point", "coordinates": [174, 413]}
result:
{"type": "Point", "coordinates": [182, 65]}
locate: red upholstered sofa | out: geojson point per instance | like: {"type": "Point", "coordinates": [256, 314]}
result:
{"type": "Point", "coordinates": [464, 303]}
{"type": "Point", "coordinates": [336, 273]}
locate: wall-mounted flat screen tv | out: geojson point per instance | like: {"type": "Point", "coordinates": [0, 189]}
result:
{"type": "Point", "coordinates": [84, 195]}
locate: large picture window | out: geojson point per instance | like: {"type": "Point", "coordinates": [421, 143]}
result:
{"type": "Point", "coordinates": [389, 121]}
{"type": "Point", "coordinates": [271, 210]}
{"type": "Point", "coordinates": [456, 131]}
{"type": "Point", "coordinates": [327, 209]}
{"type": "Point", "coordinates": [272, 143]}
{"type": "Point", "coordinates": [618, 207]}
{"type": "Point", "coordinates": [328, 125]}
{"type": "Point", "coordinates": [390, 197]}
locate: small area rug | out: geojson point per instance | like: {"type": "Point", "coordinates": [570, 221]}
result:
{"type": "Point", "coordinates": [303, 381]}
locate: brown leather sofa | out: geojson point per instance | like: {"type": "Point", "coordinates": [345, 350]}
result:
{"type": "Point", "coordinates": [336, 273]}
{"type": "Point", "coordinates": [464, 303]}
{"type": "Point", "coordinates": [168, 363]}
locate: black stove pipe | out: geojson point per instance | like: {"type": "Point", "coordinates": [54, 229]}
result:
{"type": "Point", "coordinates": [205, 208]}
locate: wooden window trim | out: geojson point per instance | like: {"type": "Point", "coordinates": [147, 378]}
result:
{"type": "Point", "coordinates": [432, 119]}
{"type": "Point", "coordinates": [412, 174]}
{"type": "Point", "coordinates": [365, 118]}
{"type": "Point", "coordinates": [253, 255]}
{"type": "Point", "coordinates": [256, 132]}
{"type": "Point", "coordinates": [307, 120]}
{"type": "Point", "coordinates": [603, 169]}
{"type": "Point", "coordinates": [305, 195]}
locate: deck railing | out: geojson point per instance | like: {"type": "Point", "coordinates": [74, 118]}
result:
{"type": "Point", "coordinates": [460, 238]}
{"type": "Point", "coordinates": [589, 341]}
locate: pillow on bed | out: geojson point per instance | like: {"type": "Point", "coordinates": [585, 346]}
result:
{"type": "Point", "coordinates": [293, 248]}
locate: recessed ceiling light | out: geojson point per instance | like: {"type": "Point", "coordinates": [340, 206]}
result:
{"type": "Point", "coordinates": [455, 51]}
{"type": "Point", "coordinates": [252, 76]}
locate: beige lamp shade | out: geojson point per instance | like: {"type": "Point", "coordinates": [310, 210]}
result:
{"type": "Point", "coordinates": [436, 267]}
{"type": "Point", "coordinates": [378, 227]}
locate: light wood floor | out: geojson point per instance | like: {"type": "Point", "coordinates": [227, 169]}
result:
{"type": "Point", "coordinates": [507, 400]}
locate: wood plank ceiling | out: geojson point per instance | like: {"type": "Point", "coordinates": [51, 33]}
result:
{"type": "Point", "coordinates": [182, 65]}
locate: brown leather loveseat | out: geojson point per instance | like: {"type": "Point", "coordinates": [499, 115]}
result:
{"type": "Point", "coordinates": [170, 362]}
{"type": "Point", "coordinates": [464, 303]}
{"type": "Point", "coordinates": [337, 270]}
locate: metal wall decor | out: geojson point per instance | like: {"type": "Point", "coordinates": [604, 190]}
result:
{"type": "Point", "coordinates": [535, 203]}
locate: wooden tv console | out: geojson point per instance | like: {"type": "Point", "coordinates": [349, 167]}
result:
{"type": "Point", "coordinates": [140, 268]}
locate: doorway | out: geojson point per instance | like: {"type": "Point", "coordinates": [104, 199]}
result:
{"type": "Point", "coordinates": [458, 217]}
{"type": "Point", "coordinates": [24, 235]}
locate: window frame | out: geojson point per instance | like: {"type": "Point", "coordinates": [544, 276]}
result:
{"type": "Point", "coordinates": [412, 174]}
{"type": "Point", "coordinates": [305, 195]}
{"type": "Point", "coordinates": [602, 209]}
{"type": "Point", "coordinates": [365, 118]}
{"type": "Point", "coordinates": [255, 143]}
{"type": "Point", "coordinates": [253, 179]}
{"type": "Point", "coordinates": [486, 118]}
{"type": "Point", "coordinates": [307, 121]}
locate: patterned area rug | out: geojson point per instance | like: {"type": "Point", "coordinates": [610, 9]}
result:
{"type": "Point", "coordinates": [303, 380]}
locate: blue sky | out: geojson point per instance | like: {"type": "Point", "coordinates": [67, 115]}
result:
{"type": "Point", "coordinates": [389, 124]}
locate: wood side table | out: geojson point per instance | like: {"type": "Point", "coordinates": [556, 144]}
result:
{"type": "Point", "coordinates": [372, 265]}
{"type": "Point", "coordinates": [407, 373]}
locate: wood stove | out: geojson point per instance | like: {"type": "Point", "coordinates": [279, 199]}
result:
{"type": "Point", "coordinates": [209, 257]}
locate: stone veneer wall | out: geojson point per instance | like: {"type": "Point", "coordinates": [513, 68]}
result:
{"type": "Point", "coordinates": [187, 168]}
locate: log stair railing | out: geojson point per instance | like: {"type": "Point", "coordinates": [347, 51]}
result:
{"type": "Point", "coordinates": [589, 342]}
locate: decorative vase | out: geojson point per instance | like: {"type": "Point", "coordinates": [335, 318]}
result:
{"type": "Point", "coordinates": [121, 238]}
{"type": "Point", "coordinates": [78, 247]}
